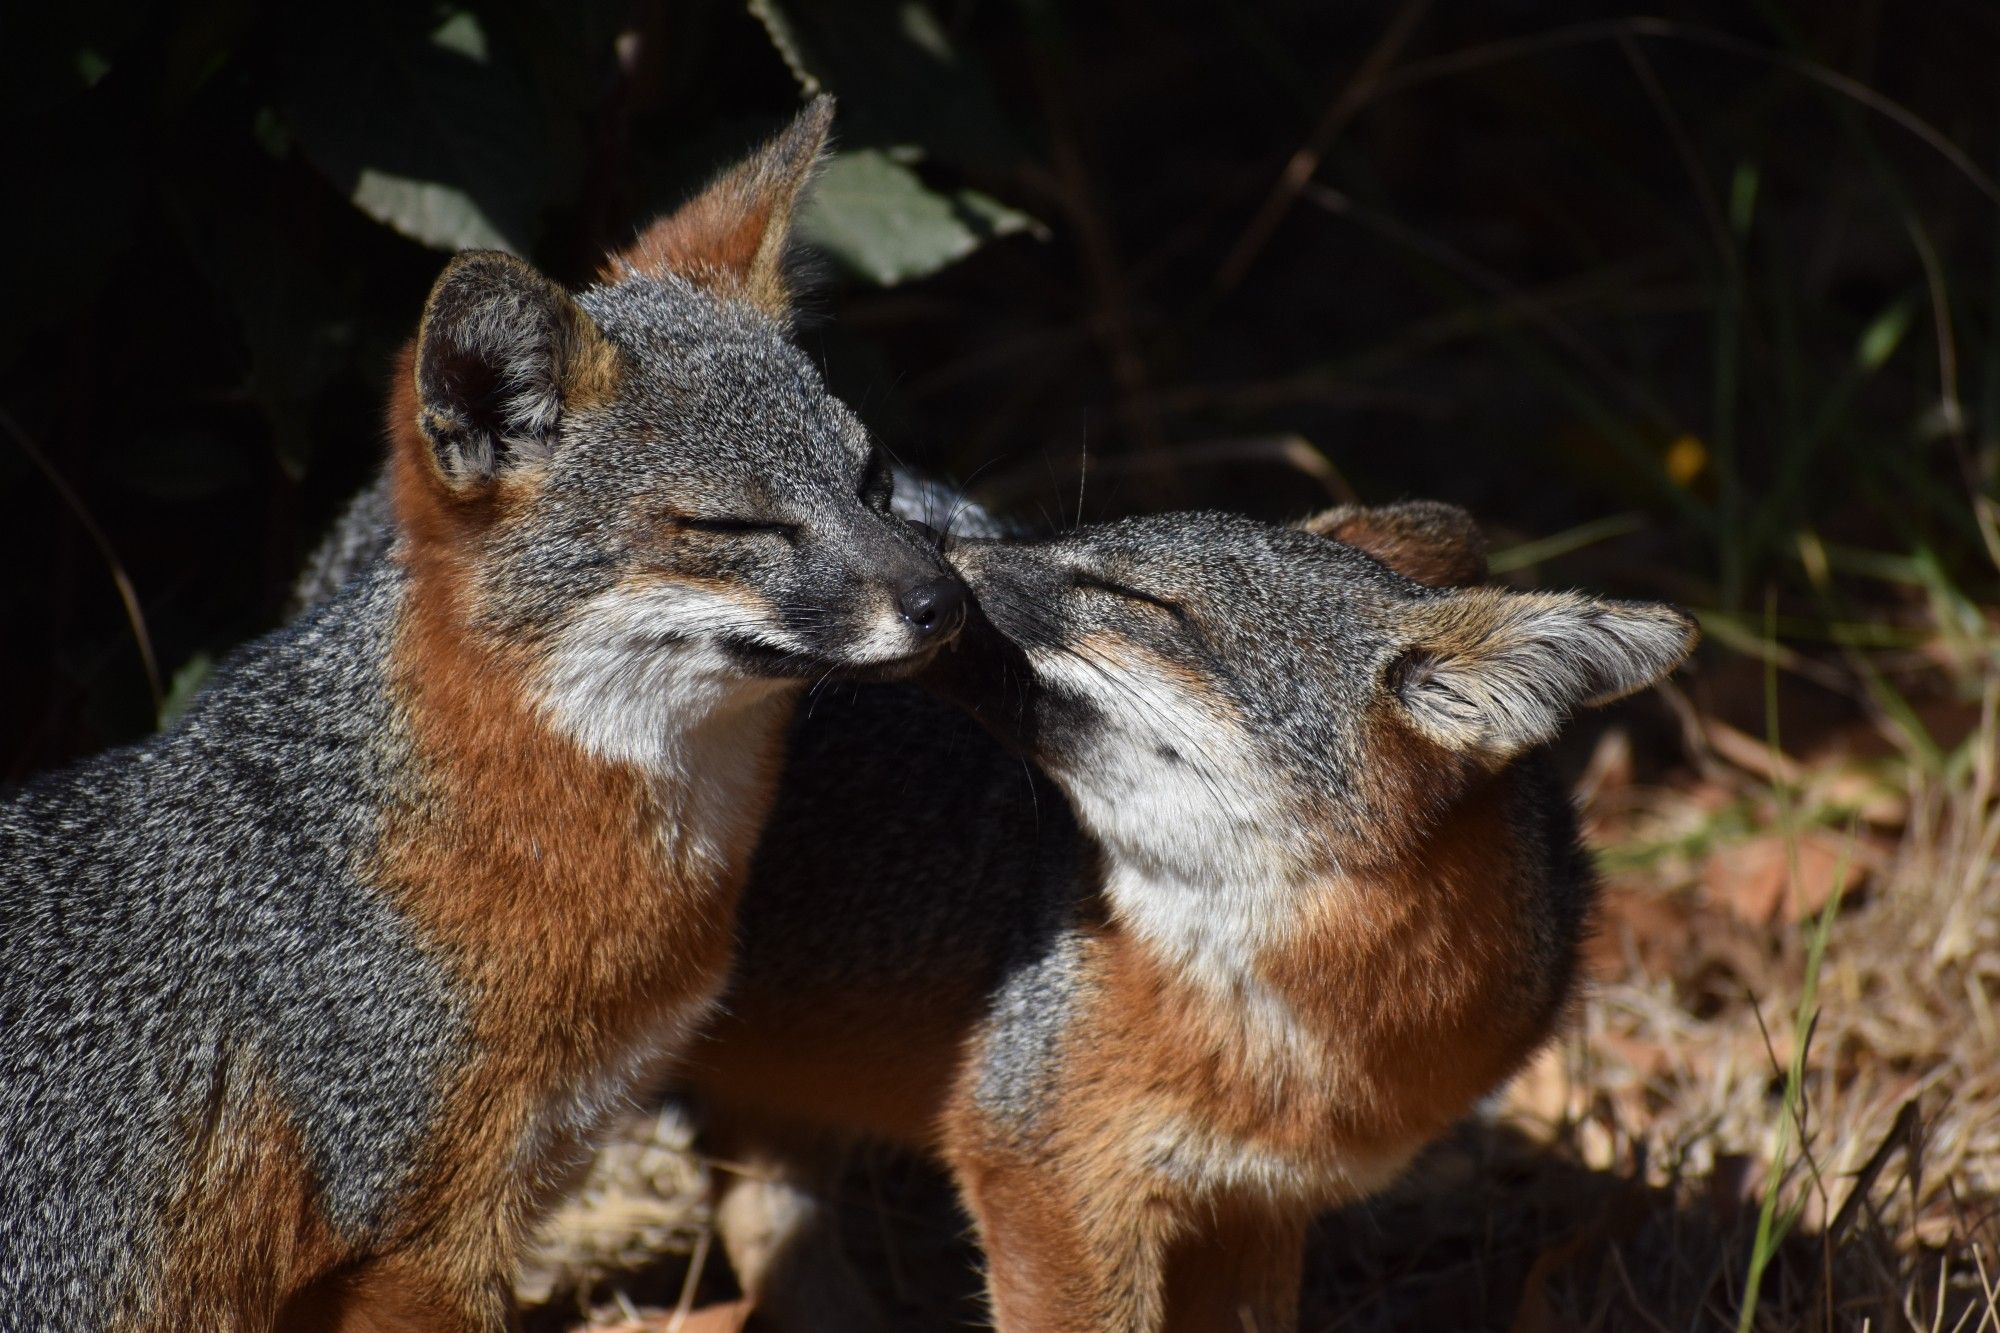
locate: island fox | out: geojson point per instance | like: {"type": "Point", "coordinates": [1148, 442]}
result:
{"type": "Point", "coordinates": [1313, 893]}
{"type": "Point", "coordinates": [309, 1005]}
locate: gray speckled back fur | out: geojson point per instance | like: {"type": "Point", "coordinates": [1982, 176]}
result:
{"type": "Point", "coordinates": [190, 909]}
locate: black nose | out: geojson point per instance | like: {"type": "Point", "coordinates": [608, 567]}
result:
{"type": "Point", "coordinates": [932, 607]}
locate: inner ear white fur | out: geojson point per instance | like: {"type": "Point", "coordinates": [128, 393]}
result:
{"type": "Point", "coordinates": [1497, 672]}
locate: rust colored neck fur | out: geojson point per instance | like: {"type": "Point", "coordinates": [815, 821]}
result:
{"type": "Point", "coordinates": [535, 861]}
{"type": "Point", "coordinates": [435, 521]}
{"type": "Point", "coordinates": [1424, 973]}
{"type": "Point", "coordinates": [1362, 1013]}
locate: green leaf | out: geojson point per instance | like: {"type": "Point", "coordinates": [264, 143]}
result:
{"type": "Point", "coordinates": [1742, 199]}
{"type": "Point", "coordinates": [56, 52]}
{"type": "Point", "coordinates": [441, 131]}
{"type": "Point", "coordinates": [875, 217]}
{"type": "Point", "coordinates": [1878, 342]}
{"type": "Point", "coordinates": [187, 683]}
{"type": "Point", "coordinates": [444, 217]}
{"type": "Point", "coordinates": [901, 82]}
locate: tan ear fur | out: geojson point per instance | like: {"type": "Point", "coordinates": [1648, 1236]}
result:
{"type": "Point", "coordinates": [1494, 673]}
{"type": "Point", "coordinates": [733, 236]}
{"type": "Point", "coordinates": [1426, 541]}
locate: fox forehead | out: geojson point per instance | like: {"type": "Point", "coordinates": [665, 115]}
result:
{"type": "Point", "coordinates": [1286, 572]}
{"type": "Point", "coordinates": [1255, 691]}
{"type": "Point", "coordinates": [717, 385]}
{"type": "Point", "coordinates": [1291, 628]}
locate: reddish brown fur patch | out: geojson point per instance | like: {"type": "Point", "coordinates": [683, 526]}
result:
{"type": "Point", "coordinates": [1430, 544]}
{"type": "Point", "coordinates": [1420, 560]}
{"type": "Point", "coordinates": [1409, 997]}
{"type": "Point", "coordinates": [542, 874]}
{"type": "Point", "coordinates": [548, 880]}
{"type": "Point", "coordinates": [1417, 978]}
{"type": "Point", "coordinates": [1061, 1257]}
{"type": "Point", "coordinates": [1236, 1268]}
{"type": "Point", "coordinates": [1404, 971]}
{"type": "Point", "coordinates": [732, 237]}
{"type": "Point", "coordinates": [714, 239]}
{"type": "Point", "coordinates": [431, 515]}
{"type": "Point", "coordinates": [246, 1229]}
{"type": "Point", "coordinates": [878, 1063]}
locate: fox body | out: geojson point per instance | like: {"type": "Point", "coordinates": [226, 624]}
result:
{"type": "Point", "coordinates": [309, 1005]}
{"type": "Point", "coordinates": [1312, 893]}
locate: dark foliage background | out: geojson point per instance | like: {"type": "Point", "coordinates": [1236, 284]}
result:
{"type": "Point", "coordinates": [1698, 305]}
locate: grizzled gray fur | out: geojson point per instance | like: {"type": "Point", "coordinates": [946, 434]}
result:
{"type": "Point", "coordinates": [187, 914]}
{"type": "Point", "coordinates": [364, 531]}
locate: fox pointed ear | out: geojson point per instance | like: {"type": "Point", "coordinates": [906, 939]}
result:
{"type": "Point", "coordinates": [733, 237]}
{"type": "Point", "coordinates": [501, 352]}
{"type": "Point", "coordinates": [1495, 672]}
{"type": "Point", "coordinates": [1426, 541]}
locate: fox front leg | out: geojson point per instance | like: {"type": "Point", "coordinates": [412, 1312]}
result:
{"type": "Point", "coordinates": [1057, 1262]}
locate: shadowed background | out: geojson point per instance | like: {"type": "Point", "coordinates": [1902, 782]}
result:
{"type": "Point", "coordinates": [1698, 304]}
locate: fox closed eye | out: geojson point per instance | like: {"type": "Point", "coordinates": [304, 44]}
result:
{"type": "Point", "coordinates": [725, 525]}
{"type": "Point", "coordinates": [1124, 592]}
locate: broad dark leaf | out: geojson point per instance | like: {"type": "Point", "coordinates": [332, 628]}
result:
{"type": "Point", "coordinates": [433, 127]}
{"type": "Point", "coordinates": [900, 81]}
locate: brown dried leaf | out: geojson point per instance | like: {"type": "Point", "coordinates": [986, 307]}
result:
{"type": "Point", "coordinates": [1754, 880]}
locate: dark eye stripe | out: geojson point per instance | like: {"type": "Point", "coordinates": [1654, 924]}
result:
{"type": "Point", "coordinates": [1130, 594]}
{"type": "Point", "coordinates": [730, 525]}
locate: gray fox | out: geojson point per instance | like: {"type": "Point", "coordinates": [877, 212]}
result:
{"type": "Point", "coordinates": [1312, 894]}
{"type": "Point", "coordinates": [311, 1004]}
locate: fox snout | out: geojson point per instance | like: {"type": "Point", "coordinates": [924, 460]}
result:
{"type": "Point", "coordinates": [1014, 586]}
{"type": "Point", "coordinates": [880, 603]}
{"type": "Point", "coordinates": [934, 607]}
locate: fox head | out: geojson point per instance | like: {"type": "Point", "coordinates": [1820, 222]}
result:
{"type": "Point", "coordinates": [644, 486]}
{"type": "Point", "coordinates": [1223, 697]}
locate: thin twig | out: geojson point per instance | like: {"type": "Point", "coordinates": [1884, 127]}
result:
{"type": "Point", "coordinates": [696, 1262]}
{"type": "Point", "coordinates": [1711, 208]}
{"type": "Point", "coordinates": [135, 617]}
{"type": "Point", "coordinates": [1598, 30]}
{"type": "Point", "coordinates": [1303, 164]}
{"type": "Point", "coordinates": [1291, 451]}
{"type": "Point", "coordinates": [1077, 196]}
